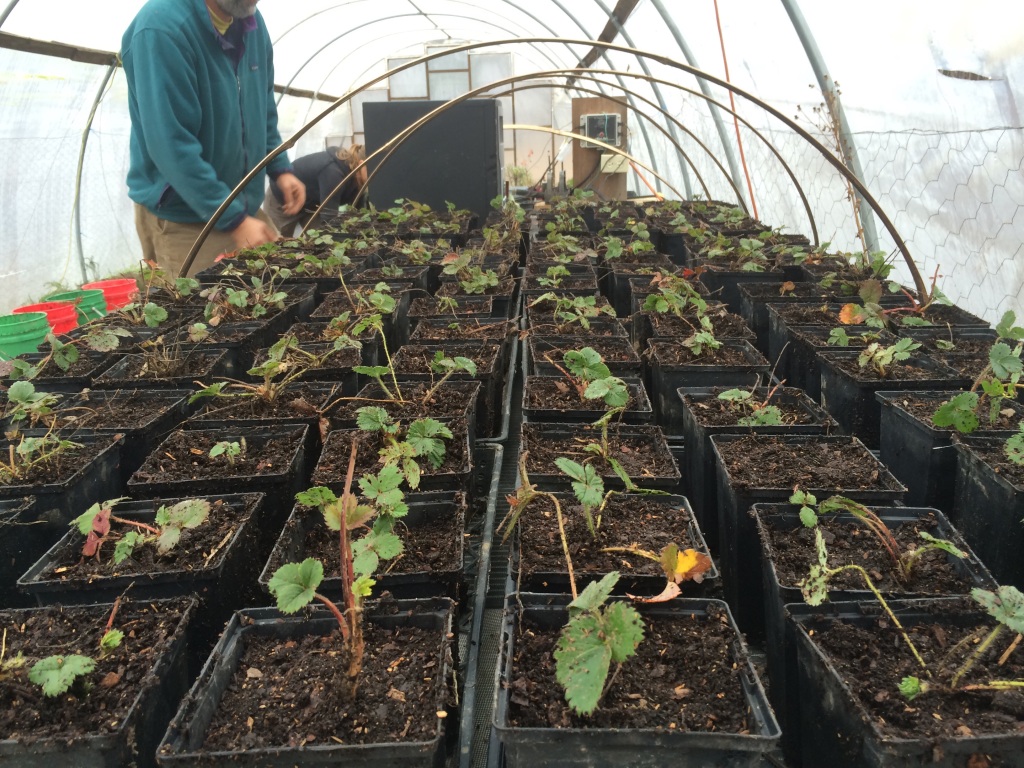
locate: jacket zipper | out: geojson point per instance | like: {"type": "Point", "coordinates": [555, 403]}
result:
{"type": "Point", "coordinates": [245, 146]}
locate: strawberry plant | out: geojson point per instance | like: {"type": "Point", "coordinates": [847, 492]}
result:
{"type": "Point", "coordinates": [165, 533]}
{"type": "Point", "coordinates": [754, 413]}
{"type": "Point", "coordinates": [422, 439]}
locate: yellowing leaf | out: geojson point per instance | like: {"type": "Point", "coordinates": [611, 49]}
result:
{"type": "Point", "coordinates": [690, 565]}
{"type": "Point", "coordinates": [850, 315]}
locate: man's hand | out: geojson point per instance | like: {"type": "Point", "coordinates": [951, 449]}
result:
{"type": "Point", "coordinates": [252, 232]}
{"type": "Point", "coordinates": [294, 192]}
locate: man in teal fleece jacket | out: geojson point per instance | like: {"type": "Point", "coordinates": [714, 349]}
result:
{"type": "Point", "coordinates": [200, 96]}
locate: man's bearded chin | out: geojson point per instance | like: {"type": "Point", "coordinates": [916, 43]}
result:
{"type": "Point", "coordinates": [239, 9]}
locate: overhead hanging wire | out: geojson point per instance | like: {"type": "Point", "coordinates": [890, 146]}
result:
{"type": "Point", "coordinates": [732, 103]}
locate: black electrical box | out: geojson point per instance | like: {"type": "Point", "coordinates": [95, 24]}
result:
{"type": "Point", "coordinates": [457, 156]}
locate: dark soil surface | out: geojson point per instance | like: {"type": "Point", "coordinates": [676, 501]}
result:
{"type": "Point", "coordinates": [200, 548]}
{"type": "Point", "coordinates": [872, 660]}
{"type": "Point", "coordinates": [769, 462]}
{"type": "Point", "coordinates": [627, 521]}
{"type": "Point", "coordinates": [598, 328]}
{"type": "Point", "coordinates": [431, 330]}
{"type": "Point", "coordinates": [970, 357]}
{"type": "Point", "coordinates": [712, 412]}
{"type": "Point", "coordinates": [612, 349]}
{"type": "Point", "coordinates": [184, 455]}
{"type": "Point", "coordinates": [27, 716]}
{"type": "Point", "coordinates": [432, 544]}
{"type": "Point", "coordinates": [554, 393]}
{"type": "Point", "coordinates": [643, 456]}
{"type": "Point", "coordinates": [671, 353]}
{"type": "Point", "coordinates": [333, 464]}
{"type": "Point", "coordinates": [451, 399]}
{"type": "Point", "coordinates": [58, 469]}
{"type": "Point", "coordinates": [342, 359]}
{"type": "Point", "coordinates": [893, 372]}
{"type": "Point", "coordinates": [505, 287]}
{"type": "Point", "coordinates": [413, 358]}
{"type": "Point", "coordinates": [468, 305]}
{"type": "Point", "coordinates": [298, 402]}
{"type": "Point", "coordinates": [128, 409]}
{"type": "Point", "coordinates": [802, 314]}
{"type": "Point", "coordinates": [197, 364]}
{"type": "Point", "coordinates": [579, 284]}
{"type": "Point", "coordinates": [725, 325]}
{"type": "Point", "coordinates": [295, 692]}
{"type": "Point", "coordinates": [818, 337]}
{"type": "Point", "coordinates": [780, 292]}
{"type": "Point", "coordinates": [923, 407]}
{"type": "Point", "coordinates": [847, 542]}
{"type": "Point", "coordinates": [684, 677]}
{"type": "Point", "coordinates": [87, 364]}
{"type": "Point", "coordinates": [940, 314]}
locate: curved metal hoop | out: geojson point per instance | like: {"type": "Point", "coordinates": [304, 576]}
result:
{"type": "Point", "coordinates": [919, 282]}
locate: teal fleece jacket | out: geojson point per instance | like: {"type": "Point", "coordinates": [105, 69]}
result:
{"type": "Point", "coordinates": [202, 112]}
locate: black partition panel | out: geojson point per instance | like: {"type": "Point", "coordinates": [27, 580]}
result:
{"type": "Point", "coordinates": [458, 156]}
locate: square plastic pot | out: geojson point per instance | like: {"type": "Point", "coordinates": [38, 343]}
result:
{"type": "Point", "coordinates": [182, 745]}
{"type": "Point", "coordinates": [780, 644]}
{"type": "Point", "coordinates": [739, 551]}
{"type": "Point", "coordinates": [637, 748]}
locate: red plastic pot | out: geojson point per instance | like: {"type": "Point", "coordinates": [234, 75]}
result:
{"type": "Point", "coordinates": [116, 292]}
{"type": "Point", "coordinates": [61, 315]}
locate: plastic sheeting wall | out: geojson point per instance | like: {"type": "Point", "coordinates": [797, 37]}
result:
{"type": "Point", "coordinates": [943, 156]}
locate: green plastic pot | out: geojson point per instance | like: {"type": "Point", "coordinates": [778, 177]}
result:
{"type": "Point", "coordinates": [22, 333]}
{"type": "Point", "coordinates": [91, 304]}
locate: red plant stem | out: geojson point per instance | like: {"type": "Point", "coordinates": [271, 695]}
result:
{"type": "Point", "coordinates": [113, 613]}
{"type": "Point", "coordinates": [347, 572]}
{"type": "Point", "coordinates": [337, 614]}
{"type": "Point", "coordinates": [136, 524]}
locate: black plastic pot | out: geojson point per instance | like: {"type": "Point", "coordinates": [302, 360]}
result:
{"type": "Point", "coordinates": [168, 408]}
{"type": "Point", "coordinates": [291, 548]}
{"type": "Point", "coordinates": [637, 748]}
{"type": "Point", "coordinates": [412, 363]}
{"type": "Point", "coordinates": [755, 296]}
{"type": "Point", "coordinates": [554, 480]}
{"type": "Point", "coordinates": [801, 366]}
{"type": "Point", "coordinates": [343, 414]}
{"type": "Point", "coordinates": [638, 411]}
{"type": "Point", "coordinates": [430, 479]}
{"type": "Point", "coordinates": [241, 341]}
{"type": "Point", "coordinates": [98, 477]}
{"type": "Point", "coordinates": [698, 466]}
{"type": "Point", "coordinates": [440, 329]}
{"type": "Point", "coordinates": [619, 355]}
{"type": "Point", "coordinates": [182, 744]}
{"type": "Point", "coordinates": [835, 729]}
{"type": "Point", "coordinates": [280, 483]}
{"type": "Point", "coordinates": [81, 376]}
{"type": "Point", "coordinates": [779, 640]}
{"type": "Point", "coordinates": [396, 324]}
{"type": "Point", "coordinates": [22, 540]}
{"type": "Point", "coordinates": [620, 276]}
{"type": "Point", "coordinates": [666, 378]}
{"type": "Point", "coordinates": [738, 545]}
{"type": "Point", "coordinates": [128, 373]}
{"type": "Point", "coordinates": [135, 738]}
{"type": "Point", "coordinates": [686, 536]}
{"type": "Point", "coordinates": [470, 307]}
{"type": "Point", "coordinates": [850, 398]}
{"type": "Point", "coordinates": [504, 295]}
{"type": "Point", "coordinates": [919, 454]}
{"type": "Point", "coordinates": [311, 331]}
{"type": "Point", "coordinates": [782, 351]}
{"type": "Point", "coordinates": [226, 582]}
{"type": "Point", "coordinates": [723, 285]}
{"type": "Point", "coordinates": [988, 510]}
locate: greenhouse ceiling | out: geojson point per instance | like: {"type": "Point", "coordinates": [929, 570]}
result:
{"type": "Point", "coordinates": [927, 92]}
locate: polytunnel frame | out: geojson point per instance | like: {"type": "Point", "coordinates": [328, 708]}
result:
{"type": "Point", "coordinates": [583, 74]}
{"type": "Point", "coordinates": [557, 40]}
{"type": "Point", "coordinates": [396, 141]}
{"type": "Point", "coordinates": [406, 133]}
{"type": "Point", "coordinates": [919, 282]}
{"type": "Point", "coordinates": [747, 123]}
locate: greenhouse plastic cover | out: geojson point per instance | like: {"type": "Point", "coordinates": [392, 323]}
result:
{"type": "Point", "coordinates": [928, 91]}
